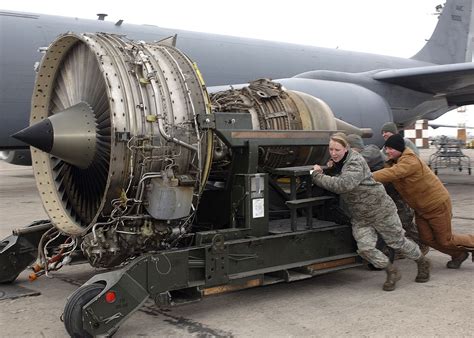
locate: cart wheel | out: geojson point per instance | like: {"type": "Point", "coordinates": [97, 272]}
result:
{"type": "Point", "coordinates": [13, 278]}
{"type": "Point", "coordinates": [72, 315]}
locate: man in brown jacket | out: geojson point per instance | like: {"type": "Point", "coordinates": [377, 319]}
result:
{"type": "Point", "coordinates": [424, 192]}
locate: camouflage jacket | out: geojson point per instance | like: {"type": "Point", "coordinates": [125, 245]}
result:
{"type": "Point", "coordinates": [412, 146]}
{"type": "Point", "coordinates": [374, 158]}
{"type": "Point", "coordinates": [366, 199]}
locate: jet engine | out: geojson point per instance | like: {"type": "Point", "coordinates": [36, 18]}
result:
{"type": "Point", "coordinates": [118, 153]}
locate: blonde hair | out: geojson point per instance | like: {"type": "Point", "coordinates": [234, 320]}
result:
{"type": "Point", "coordinates": [340, 138]}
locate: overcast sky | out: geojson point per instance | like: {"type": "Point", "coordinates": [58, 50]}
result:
{"type": "Point", "coordinates": [390, 27]}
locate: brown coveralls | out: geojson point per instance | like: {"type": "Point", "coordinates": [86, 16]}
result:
{"type": "Point", "coordinates": [426, 194]}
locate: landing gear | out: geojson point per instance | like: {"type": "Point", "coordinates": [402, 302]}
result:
{"type": "Point", "coordinates": [72, 315]}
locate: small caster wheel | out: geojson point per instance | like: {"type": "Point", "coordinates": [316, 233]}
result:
{"type": "Point", "coordinates": [72, 314]}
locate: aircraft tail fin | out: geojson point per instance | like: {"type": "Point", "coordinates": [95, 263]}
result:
{"type": "Point", "coordinates": [451, 41]}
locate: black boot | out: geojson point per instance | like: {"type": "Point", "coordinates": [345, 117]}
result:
{"type": "Point", "coordinates": [392, 277]}
{"type": "Point", "coordinates": [424, 267]}
{"type": "Point", "coordinates": [455, 263]}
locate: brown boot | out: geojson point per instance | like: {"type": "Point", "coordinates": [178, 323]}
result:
{"type": "Point", "coordinates": [392, 277]}
{"type": "Point", "coordinates": [455, 263]}
{"type": "Point", "coordinates": [424, 267]}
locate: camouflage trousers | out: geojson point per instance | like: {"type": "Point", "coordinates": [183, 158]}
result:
{"type": "Point", "coordinates": [390, 229]}
{"type": "Point", "coordinates": [405, 213]}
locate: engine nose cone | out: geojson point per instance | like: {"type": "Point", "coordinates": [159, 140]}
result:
{"type": "Point", "coordinates": [69, 135]}
{"type": "Point", "coordinates": [39, 135]}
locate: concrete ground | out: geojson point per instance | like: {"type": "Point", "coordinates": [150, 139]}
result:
{"type": "Point", "coordinates": [344, 303]}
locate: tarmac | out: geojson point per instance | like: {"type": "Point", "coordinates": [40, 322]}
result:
{"type": "Point", "coordinates": [344, 303]}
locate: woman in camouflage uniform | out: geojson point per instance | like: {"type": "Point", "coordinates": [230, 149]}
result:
{"type": "Point", "coordinates": [371, 210]}
{"type": "Point", "coordinates": [375, 159]}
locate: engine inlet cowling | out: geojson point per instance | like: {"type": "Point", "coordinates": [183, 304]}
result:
{"type": "Point", "coordinates": [108, 116]}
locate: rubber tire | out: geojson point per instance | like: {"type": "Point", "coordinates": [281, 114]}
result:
{"type": "Point", "coordinates": [10, 280]}
{"type": "Point", "coordinates": [73, 310]}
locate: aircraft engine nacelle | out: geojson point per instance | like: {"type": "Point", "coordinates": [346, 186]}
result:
{"type": "Point", "coordinates": [349, 102]}
{"type": "Point", "coordinates": [274, 107]}
{"type": "Point", "coordinates": [16, 156]}
{"type": "Point", "coordinates": [119, 157]}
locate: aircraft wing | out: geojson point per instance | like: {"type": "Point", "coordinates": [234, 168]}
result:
{"type": "Point", "coordinates": [455, 81]}
{"type": "Point", "coordinates": [437, 125]}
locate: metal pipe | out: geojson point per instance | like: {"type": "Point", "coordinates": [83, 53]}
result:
{"type": "Point", "coordinates": [31, 229]}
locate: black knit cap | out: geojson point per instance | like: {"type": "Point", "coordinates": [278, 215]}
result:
{"type": "Point", "coordinates": [396, 142]}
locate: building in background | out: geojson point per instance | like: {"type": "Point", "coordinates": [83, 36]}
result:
{"type": "Point", "coordinates": [418, 133]}
{"type": "Point", "coordinates": [457, 123]}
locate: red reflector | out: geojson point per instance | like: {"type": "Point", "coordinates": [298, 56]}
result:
{"type": "Point", "coordinates": [110, 296]}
